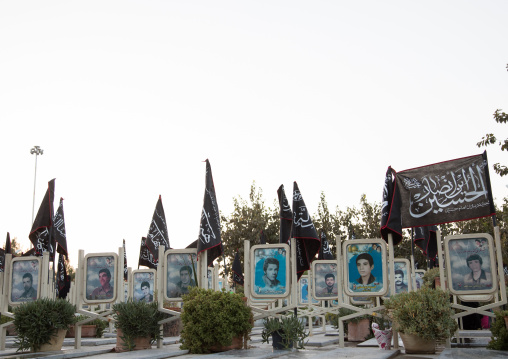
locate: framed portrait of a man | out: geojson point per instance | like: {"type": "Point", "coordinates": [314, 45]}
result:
{"type": "Point", "coordinates": [324, 274]}
{"type": "Point", "coordinates": [470, 264]}
{"type": "Point", "coordinates": [419, 273]}
{"type": "Point", "coordinates": [402, 276]}
{"type": "Point", "coordinates": [365, 267]}
{"type": "Point", "coordinates": [304, 289]}
{"type": "Point", "coordinates": [100, 277]}
{"type": "Point", "coordinates": [210, 277]}
{"type": "Point", "coordinates": [182, 269]}
{"type": "Point", "coordinates": [24, 280]}
{"type": "Point", "coordinates": [270, 268]}
{"type": "Point", "coordinates": [143, 285]}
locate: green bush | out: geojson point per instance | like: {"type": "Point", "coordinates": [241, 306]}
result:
{"type": "Point", "coordinates": [499, 340]}
{"type": "Point", "coordinates": [213, 318]}
{"type": "Point", "coordinates": [137, 319]}
{"type": "Point", "coordinates": [289, 328]}
{"type": "Point", "coordinates": [37, 321]}
{"type": "Point", "coordinates": [426, 313]}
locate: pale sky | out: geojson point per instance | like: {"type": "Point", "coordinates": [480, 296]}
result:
{"type": "Point", "coordinates": [128, 98]}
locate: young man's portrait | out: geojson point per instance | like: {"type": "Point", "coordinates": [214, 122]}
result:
{"type": "Point", "coordinates": [270, 271]}
{"type": "Point", "coordinates": [100, 271]}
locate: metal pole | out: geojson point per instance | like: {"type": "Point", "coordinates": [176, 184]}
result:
{"type": "Point", "coordinates": [37, 151]}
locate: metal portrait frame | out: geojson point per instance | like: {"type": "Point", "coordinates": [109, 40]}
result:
{"type": "Point", "coordinates": [398, 263]}
{"type": "Point", "coordinates": [210, 276]}
{"type": "Point", "coordinates": [460, 247]}
{"type": "Point", "coordinates": [109, 261]}
{"type": "Point", "coordinates": [319, 268]}
{"type": "Point", "coordinates": [305, 280]}
{"type": "Point", "coordinates": [419, 273]}
{"type": "Point", "coordinates": [139, 276]}
{"type": "Point", "coordinates": [258, 254]}
{"type": "Point", "coordinates": [376, 248]}
{"type": "Point", "coordinates": [175, 259]}
{"type": "Point", "coordinates": [20, 266]}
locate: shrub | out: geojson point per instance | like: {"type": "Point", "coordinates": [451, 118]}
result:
{"type": "Point", "coordinates": [499, 340]}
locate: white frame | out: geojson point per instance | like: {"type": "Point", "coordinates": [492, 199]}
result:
{"type": "Point", "coordinates": [492, 268]}
{"type": "Point", "coordinates": [114, 277]}
{"type": "Point", "coordinates": [416, 272]}
{"type": "Point", "coordinates": [384, 269]}
{"type": "Point", "coordinates": [310, 299]}
{"type": "Point", "coordinates": [253, 270]}
{"type": "Point", "coordinates": [189, 251]}
{"type": "Point", "coordinates": [132, 288]}
{"type": "Point", "coordinates": [39, 276]}
{"type": "Point", "coordinates": [406, 275]}
{"type": "Point", "coordinates": [314, 272]}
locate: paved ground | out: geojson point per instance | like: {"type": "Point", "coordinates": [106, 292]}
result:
{"type": "Point", "coordinates": [320, 346]}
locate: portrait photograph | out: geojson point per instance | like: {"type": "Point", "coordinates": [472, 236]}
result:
{"type": "Point", "coordinates": [419, 273]}
{"type": "Point", "coordinates": [100, 277]}
{"type": "Point", "coordinates": [25, 279]}
{"type": "Point", "coordinates": [182, 269]}
{"type": "Point", "coordinates": [143, 285]}
{"type": "Point", "coordinates": [402, 276]}
{"type": "Point", "coordinates": [324, 275]}
{"type": "Point", "coordinates": [304, 291]}
{"type": "Point", "coordinates": [270, 268]}
{"type": "Point", "coordinates": [365, 267]}
{"type": "Point", "coordinates": [209, 277]}
{"type": "Point", "coordinates": [470, 264]}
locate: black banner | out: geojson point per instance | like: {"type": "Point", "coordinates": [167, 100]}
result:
{"type": "Point", "coordinates": [286, 217]}
{"type": "Point", "coordinates": [237, 270]}
{"type": "Point", "coordinates": [59, 234]}
{"type": "Point", "coordinates": [425, 238]}
{"type": "Point", "coordinates": [324, 251]}
{"type": "Point", "coordinates": [450, 191]}
{"type": "Point", "coordinates": [8, 244]}
{"type": "Point", "coordinates": [39, 235]}
{"type": "Point", "coordinates": [262, 238]}
{"type": "Point", "coordinates": [209, 230]}
{"type": "Point", "coordinates": [390, 209]}
{"type": "Point", "coordinates": [125, 270]}
{"type": "Point", "coordinates": [63, 280]}
{"type": "Point", "coordinates": [158, 232]}
{"type": "Point", "coordinates": [145, 257]}
{"type": "Point", "coordinates": [303, 230]}
{"type": "Point", "coordinates": [2, 259]}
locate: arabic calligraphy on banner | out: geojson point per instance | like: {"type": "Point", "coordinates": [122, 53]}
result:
{"type": "Point", "coordinates": [446, 192]}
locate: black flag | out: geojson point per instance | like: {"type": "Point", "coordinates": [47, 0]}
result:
{"type": "Point", "coordinates": [145, 257]}
{"type": "Point", "coordinates": [262, 238]}
{"type": "Point", "coordinates": [29, 253]}
{"type": "Point", "coordinates": [2, 260]}
{"type": "Point", "coordinates": [390, 209]}
{"type": "Point", "coordinates": [426, 239]}
{"type": "Point", "coordinates": [324, 251]}
{"type": "Point", "coordinates": [59, 234]}
{"type": "Point", "coordinates": [444, 192]}
{"type": "Point", "coordinates": [286, 217]}
{"type": "Point", "coordinates": [237, 270]}
{"type": "Point", "coordinates": [158, 232]}
{"type": "Point", "coordinates": [209, 231]}
{"type": "Point", "coordinates": [4, 252]}
{"type": "Point", "coordinates": [39, 235]}
{"type": "Point", "coordinates": [63, 280]}
{"type": "Point", "coordinates": [125, 271]}
{"type": "Point", "coordinates": [303, 230]}
{"type": "Point", "coordinates": [8, 244]}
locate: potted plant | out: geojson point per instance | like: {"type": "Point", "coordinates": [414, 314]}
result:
{"type": "Point", "coordinates": [136, 325]}
{"type": "Point", "coordinates": [41, 324]}
{"type": "Point", "coordinates": [214, 321]}
{"type": "Point", "coordinates": [499, 330]}
{"type": "Point", "coordinates": [285, 332]}
{"type": "Point", "coordinates": [95, 328]}
{"type": "Point", "coordinates": [421, 318]}
{"type": "Point", "coordinates": [357, 329]}
{"type": "Point", "coordinates": [432, 278]}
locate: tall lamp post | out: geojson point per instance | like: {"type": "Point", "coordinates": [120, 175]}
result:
{"type": "Point", "coordinates": [36, 150]}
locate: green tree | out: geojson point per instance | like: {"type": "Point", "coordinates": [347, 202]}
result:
{"type": "Point", "coordinates": [490, 139]}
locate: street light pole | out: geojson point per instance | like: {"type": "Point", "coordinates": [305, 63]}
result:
{"type": "Point", "coordinates": [37, 151]}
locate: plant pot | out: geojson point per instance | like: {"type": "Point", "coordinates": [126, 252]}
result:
{"type": "Point", "coordinates": [11, 330]}
{"type": "Point", "coordinates": [277, 342]}
{"type": "Point", "coordinates": [87, 331]}
{"type": "Point", "coordinates": [237, 343]}
{"type": "Point", "coordinates": [140, 343]}
{"type": "Point", "coordinates": [414, 344]}
{"type": "Point", "coordinates": [55, 343]}
{"type": "Point", "coordinates": [358, 332]}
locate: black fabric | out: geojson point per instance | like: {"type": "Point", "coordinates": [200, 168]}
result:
{"type": "Point", "coordinates": [445, 192]}
{"type": "Point", "coordinates": [425, 238]}
{"type": "Point", "coordinates": [286, 217]}
{"type": "Point", "coordinates": [324, 251]}
{"type": "Point", "coordinates": [391, 209]}
{"type": "Point", "coordinates": [40, 234]}
{"type": "Point", "coordinates": [145, 257]}
{"type": "Point", "coordinates": [8, 244]}
{"type": "Point", "coordinates": [125, 270]}
{"type": "Point", "coordinates": [158, 232]}
{"type": "Point", "coordinates": [262, 238]}
{"type": "Point", "coordinates": [59, 235]}
{"type": "Point", "coordinates": [2, 260]}
{"type": "Point", "coordinates": [30, 252]}
{"type": "Point", "coordinates": [63, 280]}
{"type": "Point", "coordinates": [304, 232]}
{"type": "Point", "coordinates": [237, 270]}
{"type": "Point", "coordinates": [209, 238]}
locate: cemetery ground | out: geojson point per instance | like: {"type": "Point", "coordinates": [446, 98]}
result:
{"type": "Point", "coordinates": [320, 345]}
